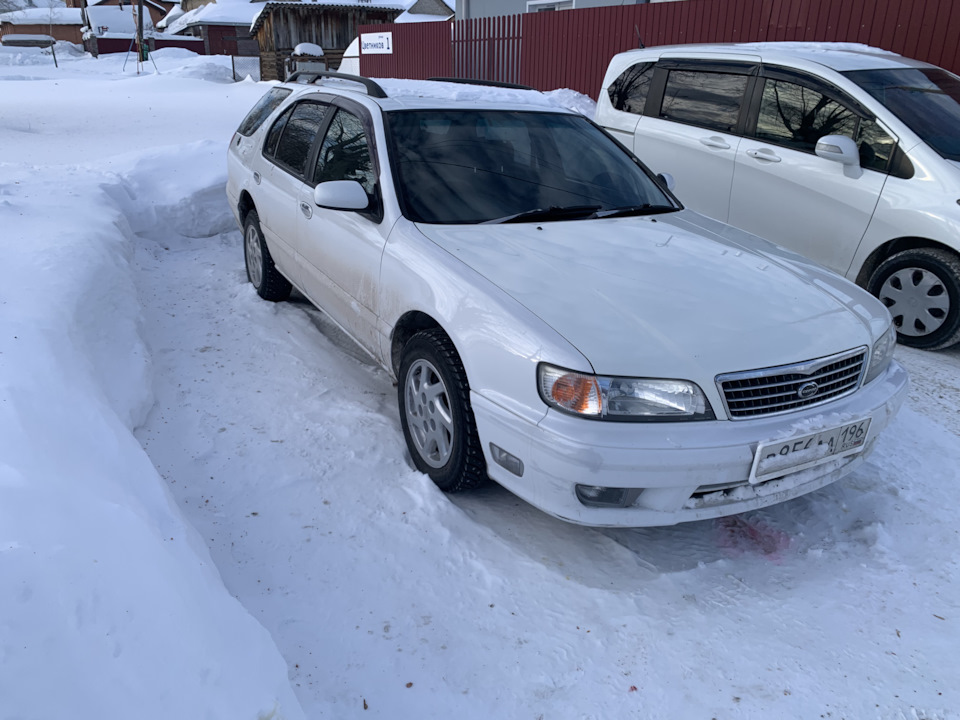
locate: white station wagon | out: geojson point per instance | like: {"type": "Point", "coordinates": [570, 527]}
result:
{"type": "Point", "coordinates": [847, 154]}
{"type": "Point", "coordinates": [555, 319]}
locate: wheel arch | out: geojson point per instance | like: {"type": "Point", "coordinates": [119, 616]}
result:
{"type": "Point", "coordinates": [892, 247]}
{"type": "Point", "coordinates": [409, 324]}
{"type": "Point", "coordinates": [244, 206]}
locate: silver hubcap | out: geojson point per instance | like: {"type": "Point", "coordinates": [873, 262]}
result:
{"type": "Point", "coordinates": [429, 415]}
{"type": "Point", "coordinates": [254, 257]}
{"type": "Point", "coordinates": [917, 299]}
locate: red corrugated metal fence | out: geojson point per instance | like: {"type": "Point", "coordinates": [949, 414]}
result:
{"type": "Point", "coordinates": [571, 48]}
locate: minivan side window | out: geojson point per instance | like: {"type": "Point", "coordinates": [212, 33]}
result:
{"type": "Point", "coordinates": [628, 92]}
{"type": "Point", "coordinates": [796, 117]}
{"type": "Point", "coordinates": [708, 99]}
{"type": "Point", "coordinates": [876, 146]}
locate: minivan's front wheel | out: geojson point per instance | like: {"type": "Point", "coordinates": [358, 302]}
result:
{"type": "Point", "coordinates": [261, 271]}
{"type": "Point", "coordinates": [435, 413]}
{"type": "Point", "coordinates": [921, 288]}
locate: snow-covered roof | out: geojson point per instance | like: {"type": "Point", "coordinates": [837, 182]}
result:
{"type": "Point", "coordinates": [426, 11]}
{"type": "Point", "coordinates": [115, 19]}
{"type": "Point", "coordinates": [408, 17]}
{"type": "Point", "coordinates": [43, 16]}
{"type": "Point", "coordinates": [240, 14]}
{"type": "Point", "coordinates": [127, 4]}
{"type": "Point", "coordinates": [271, 4]}
{"type": "Point", "coordinates": [175, 12]}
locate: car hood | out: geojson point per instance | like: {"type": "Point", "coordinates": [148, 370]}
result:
{"type": "Point", "coordinates": [664, 296]}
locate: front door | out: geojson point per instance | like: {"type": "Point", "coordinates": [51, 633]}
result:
{"type": "Point", "coordinates": [784, 192]}
{"type": "Point", "coordinates": [340, 250]}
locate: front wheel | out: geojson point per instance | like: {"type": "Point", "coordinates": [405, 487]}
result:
{"type": "Point", "coordinates": [261, 272]}
{"type": "Point", "coordinates": [921, 288]}
{"type": "Point", "coordinates": [435, 413]}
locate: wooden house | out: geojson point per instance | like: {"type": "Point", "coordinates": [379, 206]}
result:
{"type": "Point", "coordinates": [281, 26]}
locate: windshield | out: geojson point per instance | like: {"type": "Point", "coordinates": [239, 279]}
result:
{"type": "Point", "coordinates": [927, 100]}
{"type": "Point", "coordinates": [473, 166]}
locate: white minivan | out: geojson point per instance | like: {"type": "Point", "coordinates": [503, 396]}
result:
{"type": "Point", "coordinates": [845, 153]}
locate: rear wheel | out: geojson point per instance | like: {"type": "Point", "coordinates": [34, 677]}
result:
{"type": "Point", "coordinates": [921, 288]}
{"type": "Point", "coordinates": [435, 413]}
{"type": "Point", "coordinates": [261, 272]}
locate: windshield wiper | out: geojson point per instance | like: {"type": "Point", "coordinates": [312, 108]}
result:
{"type": "Point", "coordinates": [570, 212]}
{"type": "Point", "coordinates": [645, 209]}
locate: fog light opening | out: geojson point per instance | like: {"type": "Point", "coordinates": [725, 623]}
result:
{"type": "Point", "coordinates": [597, 496]}
{"type": "Point", "coordinates": [507, 461]}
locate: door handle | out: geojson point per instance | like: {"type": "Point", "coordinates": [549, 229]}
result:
{"type": "Point", "coordinates": [306, 210]}
{"type": "Point", "coordinates": [256, 178]}
{"type": "Point", "coordinates": [715, 141]}
{"type": "Point", "coordinates": [764, 154]}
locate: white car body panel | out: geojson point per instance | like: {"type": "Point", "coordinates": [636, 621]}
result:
{"type": "Point", "coordinates": [703, 158]}
{"type": "Point", "coordinates": [627, 301]}
{"type": "Point", "coordinates": [772, 198]}
{"type": "Point", "coordinates": [676, 295]}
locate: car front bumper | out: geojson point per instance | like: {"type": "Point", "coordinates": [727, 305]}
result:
{"type": "Point", "coordinates": [674, 464]}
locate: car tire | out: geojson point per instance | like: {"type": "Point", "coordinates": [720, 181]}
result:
{"type": "Point", "coordinates": [261, 271]}
{"type": "Point", "coordinates": [435, 413]}
{"type": "Point", "coordinates": [921, 288]}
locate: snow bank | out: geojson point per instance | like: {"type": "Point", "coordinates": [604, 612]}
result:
{"type": "Point", "coordinates": [110, 605]}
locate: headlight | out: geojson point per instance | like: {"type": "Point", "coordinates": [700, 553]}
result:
{"type": "Point", "coordinates": [882, 354]}
{"type": "Point", "coordinates": [622, 399]}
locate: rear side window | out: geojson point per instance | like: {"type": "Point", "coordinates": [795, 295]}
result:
{"type": "Point", "coordinates": [708, 99]}
{"type": "Point", "coordinates": [298, 135]}
{"type": "Point", "coordinates": [796, 116]}
{"type": "Point", "coordinates": [261, 111]}
{"type": "Point", "coordinates": [628, 92]}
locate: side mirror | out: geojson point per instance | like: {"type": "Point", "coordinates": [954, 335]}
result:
{"type": "Point", "coordinates": [839, 148]}
{"type": "Point", "coordinates": [666, 179]}
{"type": "Point", "coordinates": [341, 195]}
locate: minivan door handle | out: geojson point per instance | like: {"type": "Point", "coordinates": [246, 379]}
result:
{"type": "Point", "coordinates": [715, 141]}
{"type": "Point", "coordinates": [764, 154]}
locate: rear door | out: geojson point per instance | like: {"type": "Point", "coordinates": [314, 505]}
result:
{"type": "Point", "coordinates": [287, 151]}
{"type": "Point", "coordinates": [691, 128]}
{"type": "Point", "coordinates": [784, 192]}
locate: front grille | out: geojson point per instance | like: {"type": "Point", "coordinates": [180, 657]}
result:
{"type": "Point", "coordinates": [775, 390]}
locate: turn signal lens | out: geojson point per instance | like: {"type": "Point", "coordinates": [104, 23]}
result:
{"type": "Point", "coordinates": [881, 355]}
{"type": "Point", "coordinates": [570, 390]}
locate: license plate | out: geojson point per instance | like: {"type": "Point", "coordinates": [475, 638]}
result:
{"type": "Point", "coordinates": [780, 457]}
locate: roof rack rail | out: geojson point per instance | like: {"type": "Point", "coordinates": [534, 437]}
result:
{"type": "Point", "coordinates": [373, 89]}
{"type": "Point", "coordinates": [487, 83]}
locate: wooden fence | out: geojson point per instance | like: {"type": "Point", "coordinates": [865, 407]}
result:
{"type": "Point", "coordinates": [572, 48]}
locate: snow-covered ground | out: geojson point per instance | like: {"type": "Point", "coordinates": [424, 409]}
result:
{"type": "Point", "coordinates": [206, 510]}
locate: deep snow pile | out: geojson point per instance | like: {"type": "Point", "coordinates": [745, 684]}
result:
{"type": "Point", "coordinates": [126, 309]}
{"type": "Point", "coordinates": [110, 606]}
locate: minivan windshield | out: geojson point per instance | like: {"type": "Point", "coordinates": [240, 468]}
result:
{"type": "Point", "coordinates": [474, 166]}
{"type": "Point", "coordinates": [927, 100]}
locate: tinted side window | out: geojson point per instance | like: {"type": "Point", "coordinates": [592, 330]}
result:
{"type": "Point", "coordinates": [344, 154]}
{"type": "Point", "coordinates": [876, 146]}
{"type": "Point", "coordinates": [266, 105]}
{"type": "Point", "coordinates": [299, 134]}
{"type": "Point", "coordinates": [273, 137]}
{"type": "Point", "coordinates": [796, 116]}
{"type": "Point", "coordinates": [629, 91]}
{"type": "Point", "coordinates": [708, 99]}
